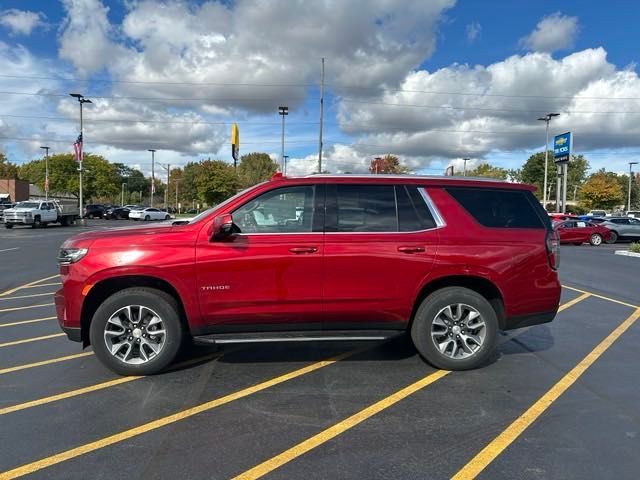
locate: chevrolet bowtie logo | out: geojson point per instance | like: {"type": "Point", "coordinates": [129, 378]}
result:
{"type": "Point", "coordinates": [561, 141]}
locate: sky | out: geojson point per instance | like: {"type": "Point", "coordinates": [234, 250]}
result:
{"type": "Point", "coordinates": [431, 82]}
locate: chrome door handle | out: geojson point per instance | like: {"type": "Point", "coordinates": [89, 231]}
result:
{"type": "Point", "coordinates": [411, 249]}
{"type": "Point", "coordinates": [301, 250]}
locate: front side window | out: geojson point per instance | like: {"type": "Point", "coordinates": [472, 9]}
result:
{"type": "Point", "coordinates": [284, 210]}
{"type": "Point", "coordinates": [366, 208]}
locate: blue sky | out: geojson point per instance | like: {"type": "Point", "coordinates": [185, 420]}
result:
{"type": "Point", "coordinates": [431, 82]}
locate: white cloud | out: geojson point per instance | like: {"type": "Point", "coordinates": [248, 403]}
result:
{"type": "Point", "coordinates": [473, 31]}
{"type": "Point", "coordinates": [21, 22]}
{"type": "Point", "coordinates": [499, 113]}
{"type": "Point", "coordinates": [553, 32]}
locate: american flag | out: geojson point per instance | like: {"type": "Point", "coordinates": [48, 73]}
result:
{"type": "Point", "coordinates": [77, 148]}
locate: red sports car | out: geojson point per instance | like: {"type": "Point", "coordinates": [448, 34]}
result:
{"type": "Point", "coordinates": [579, 232]}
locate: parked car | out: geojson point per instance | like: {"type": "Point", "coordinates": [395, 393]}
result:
{"type": "Point", "coordinates": [587, 218]}
{"type": "Point", "coordinates": [40, 213]}
{"type": "Point", "coordinates": [578, 232]}
{"type": "Point", "coordinates": [448, 261]}
{"type": "Point", "coordinates": [596, 213]}
{"type": "Point", "coordinates": [149, 213]}
{"type": "Point", "coordinates": [93, 211]}
{"type": "Point", "coordinates": [633, 213]}
{"type": "Point", "coordinates": [623, 228]}
{"type": "Point", "coordinates": [3, 207]}
{"type": "Point", "coordinates": [116, 213]}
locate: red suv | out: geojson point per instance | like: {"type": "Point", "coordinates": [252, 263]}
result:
{"type": "Point", "coordinates": [449, 261]}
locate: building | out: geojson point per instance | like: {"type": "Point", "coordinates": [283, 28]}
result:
{"type": "Point", "coordinates": [13, 190]}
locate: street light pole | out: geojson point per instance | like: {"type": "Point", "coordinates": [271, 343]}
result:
{"type": "Point", "coordinates": [547, 118]}
{"type": "Point", "coordinates": [166, 192]}
{"type": "Point", "coordinates": [46, 172]}
{"type": "Point", "coordinates": [286, 157]}
{"type": "Point", "coordinates": [153, 174]}
{"type": "Point", "coordinates": [631, 164]}
{"type": "Point", "coordinates": [283, 111]}
{"type": "Point", "coordinates": [81, 100]}
{"type": "Point", "coordinates": [464, 171]}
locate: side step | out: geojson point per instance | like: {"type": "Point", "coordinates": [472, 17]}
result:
{"type": "Point", "coordinates": [305, 336]}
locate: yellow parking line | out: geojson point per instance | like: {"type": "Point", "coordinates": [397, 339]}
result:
{"type": "Point", "coordinates": [44, 285]}
{"type": "Point", "coordinates": [44, 362]}
{"type": "Point", "coordinates": [489, 453]}
{"type": "Point", "coordinates": [27, 296]}
{"type": "Point", "coordinates": [28, 285]}
{"type": "Point", "coordinates": [22, 322]}
{"type": "Point", "coordinates": [13, 309]}
{"type": "Point", "coordinates": [339, 428]}
{"type": "Point", "coordinates": [96, 387]}
{"type": "Point", "coordinates": [169, 419]}
{"type": "Point", "coordinates": [619, 302]}
{"type": "Point", "coordinates": [29, 340]}
{"type": "Point", "coordinates": [571, 303]}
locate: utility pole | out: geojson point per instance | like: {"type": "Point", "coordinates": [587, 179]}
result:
{"type": "Point", "coordinates": [153, 174]}
{"type": "Point", "coordinates": [631, 164]}
{"type": "Point", "coordinates": [283, 111]}
{"type": "Point", "coordinates": [177, 204]}
{"type": "Point", "coordinates": [122, 198]}
{"type": "Point", "coordinates": [321, 116]}
{"type": "Point", "coordinates": [46, 172]}
{"type": "Point", "coordinates": [285, 164]}
{"type": "Point", "coordinates": [464, 171]}
{"type": "Point", "coordinates": [81, 100]}
{"type": "Point", "coordinates": [166, 192]}
{"type": "Point", "coordinates": [547, 118]}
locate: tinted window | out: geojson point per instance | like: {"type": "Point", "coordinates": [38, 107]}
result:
{"type": "Point", "coordinates": [284, 210]}
{"type": "Point", "coordinates": [413, 213]}
{"type": "Point", "coordinates": [620, 221]}
{"type": "Point", "coordinates": [366, 208]}
{"type": "Point", "coordinates": [499, 208]}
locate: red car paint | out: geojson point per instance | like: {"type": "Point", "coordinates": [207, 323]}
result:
{"type": "Point", "coordinates": [323, 279]}
{"type": "Point", "coordinates": [578, 232]}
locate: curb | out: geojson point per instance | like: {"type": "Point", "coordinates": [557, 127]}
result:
{"type": "Point", "coordinates": [627, 253]}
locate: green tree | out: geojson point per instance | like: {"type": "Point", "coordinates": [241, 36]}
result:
{"type": "Point", "coordinates": [7, 169]}
{"type": "Point", "coordinates": [532, 172]}
{"type": "Point", "coordinates": [387, 164]}
{"type": "Point", "coordinates": [255, 168]}
{"type": "Point", "coordinates": [215, 181]}
{"type": "Point", "coordinates": [601, 190]}
{"type": "Point", "coordinates": [489, 171]}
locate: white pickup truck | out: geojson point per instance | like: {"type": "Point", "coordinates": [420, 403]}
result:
{"type": "Point", "coordinates": [39, 213]}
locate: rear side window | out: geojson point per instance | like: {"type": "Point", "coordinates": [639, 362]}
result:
{"type": "Point", "coordinates": [413, 213]}
{"type": "Point", "coordinates": [499, 208]}
{"type": "Point", "coordinates": [366, 208]}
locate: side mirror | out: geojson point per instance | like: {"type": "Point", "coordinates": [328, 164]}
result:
{"type": "Point", "coordinates": [222, 227]}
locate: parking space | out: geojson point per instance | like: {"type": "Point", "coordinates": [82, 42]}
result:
{"type": "Point", "coordinates": [558, 400]}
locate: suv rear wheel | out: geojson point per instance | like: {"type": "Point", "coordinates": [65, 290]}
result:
{"type": "Point", "coordinates": [455, 329]}
{"type": "Point", "coordinates": [136, 331]}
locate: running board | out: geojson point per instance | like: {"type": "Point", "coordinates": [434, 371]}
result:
{"type": "Point", "coordinates": [269, 337]}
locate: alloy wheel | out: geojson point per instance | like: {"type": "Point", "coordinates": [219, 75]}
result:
{"type": "Point", "coordinates": [135, 334]}
{"type": "Point", "coordinates": [458, 331]}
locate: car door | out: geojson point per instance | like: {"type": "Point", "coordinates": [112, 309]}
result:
{"type": "Point", "coordinates": [633, 228]}
{"type": "Point", "coordinates": [380, 244]}
{"type": "Point", "coordinates": [268, 275]}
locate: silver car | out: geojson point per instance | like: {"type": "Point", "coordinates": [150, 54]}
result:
{"type": "Point", "coordinates": [627, 228]}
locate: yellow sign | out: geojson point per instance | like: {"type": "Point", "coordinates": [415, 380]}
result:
{"type": "Point", "coordinates": [235, 135]}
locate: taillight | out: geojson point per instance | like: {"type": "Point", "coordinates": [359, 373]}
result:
{"type": "Point", "coordinates": [553, 248]}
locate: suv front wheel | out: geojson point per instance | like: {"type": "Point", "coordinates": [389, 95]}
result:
{"type": "Point", "coordinates": [455, 328]}
{"type": "Point", "coordinates": [136, 331]}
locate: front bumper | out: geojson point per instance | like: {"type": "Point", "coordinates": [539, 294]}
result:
{"type": "Point", "coordinates": [73, 332]}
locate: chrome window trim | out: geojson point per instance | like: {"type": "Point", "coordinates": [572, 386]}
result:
{"type": "Point", "coordinates": [435, 213]}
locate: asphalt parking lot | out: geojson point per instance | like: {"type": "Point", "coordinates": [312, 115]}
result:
{"type": "Point", "coordinates": [560, 400]}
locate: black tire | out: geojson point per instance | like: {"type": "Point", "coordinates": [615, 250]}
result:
{"type": "Point", "coordinates": [596, 239]}
{"type": "Point", "coordinates": [162, 303]}
{"type": "Point", "coordinates": [426, 314]}
{"type": "Point", "coordinates": [36, 222]}
{"type": "Point", "coordinates": [613, 237]}
{"type": "Point", "coordinates": [147, 218]}
{"type": "Point", "coordinates": [8, 225]}
{"type": "Point", "coordinates": [90, 216]}
{"type": "Point", "coordinates": [167, 217]}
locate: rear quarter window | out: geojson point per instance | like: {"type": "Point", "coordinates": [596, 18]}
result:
{"type": "Point", "coordinates": [497, 208]}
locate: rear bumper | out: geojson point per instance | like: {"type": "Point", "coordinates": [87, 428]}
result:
{"type": "Point", "coordinates": [529, 320]}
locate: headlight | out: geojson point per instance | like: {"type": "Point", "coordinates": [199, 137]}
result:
{"type": "Point", "coordinates": [71, 255]}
